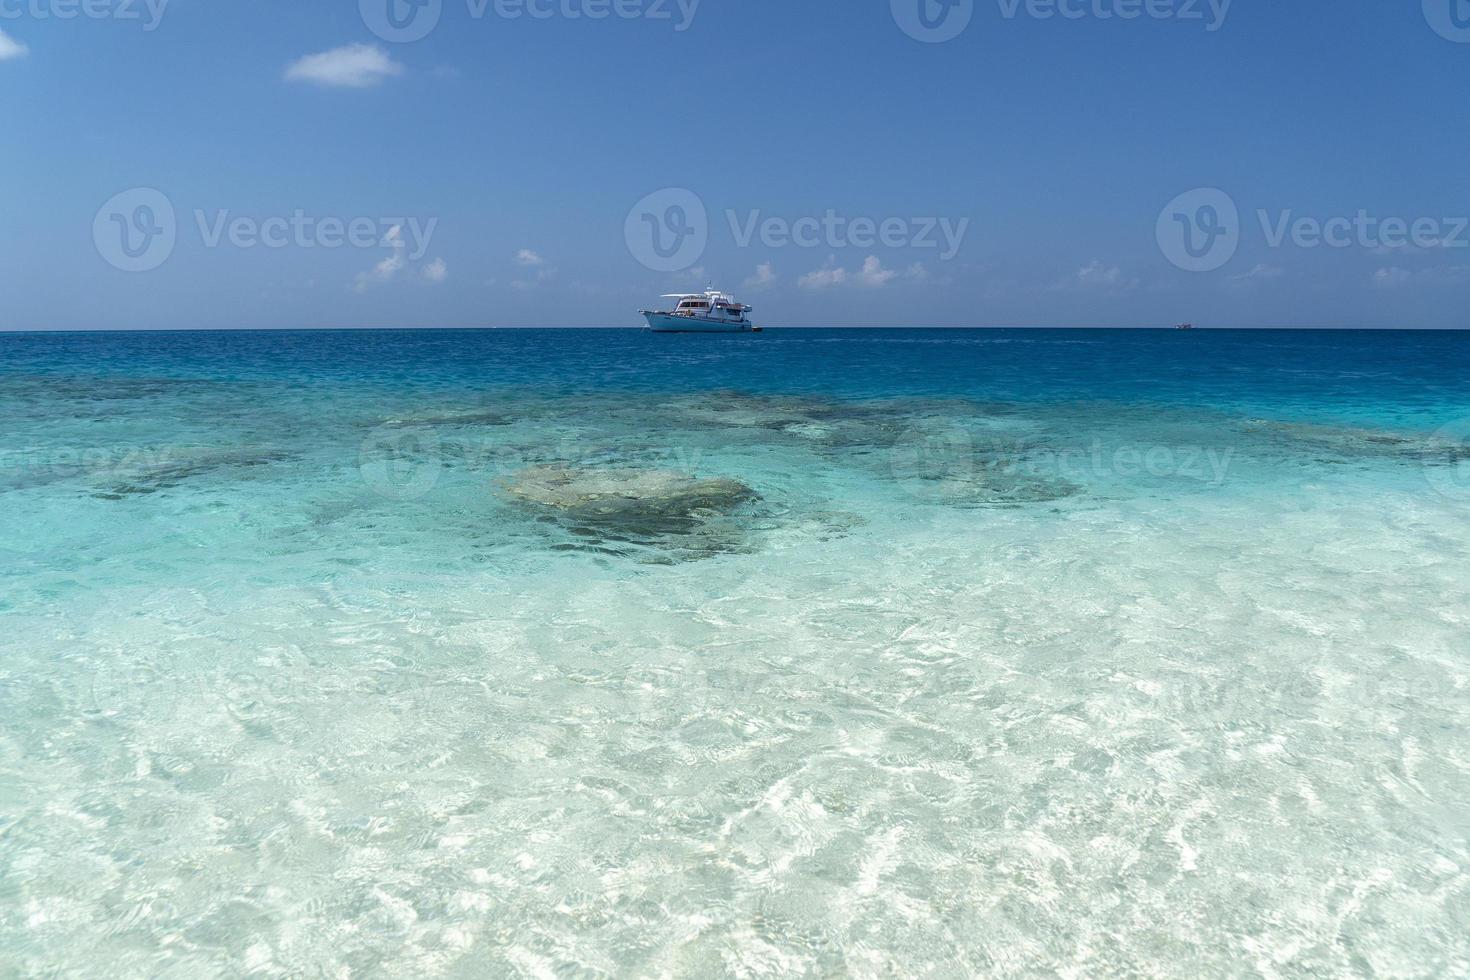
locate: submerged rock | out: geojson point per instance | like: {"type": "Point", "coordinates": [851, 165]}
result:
{"type": "Point", "coordinates": [741, 410]}
{"type": "Point", "coordinates": [1329, 443]}
{"type": "Point", "coordinates": [169, 468]}
{"type": "Point", "coordinates": [984, 486]}
{"type": "Point", "coordinates": [961, 468]}
{"type": "Point", "coordinates": [833, 428]}
{"type": "Point", "coordinates": [605, 508]}
{"type": "Point", "coordinates": [465, 419]}
{"type": "Point", "coordinates": [612, 493]}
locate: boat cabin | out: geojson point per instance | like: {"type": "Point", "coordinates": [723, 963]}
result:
{"type": "Point", "coordinates": [711, 304]}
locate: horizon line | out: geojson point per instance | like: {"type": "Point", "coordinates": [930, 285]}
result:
{"type": "Point", "coordinates": [488, 329]}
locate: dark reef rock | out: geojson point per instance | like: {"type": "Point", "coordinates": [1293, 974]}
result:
{"type": "Point", "coordinates": [607, 508]}
{"type": "Point", "coordinates": [616, 494]}
{"type": "Point", "coordinates": [1338, 444]}
{"type": "Point", "coordinates": [176, 466]}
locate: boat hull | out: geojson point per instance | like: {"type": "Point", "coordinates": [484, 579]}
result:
{"type": "Point", "coordinates": [666, 323]}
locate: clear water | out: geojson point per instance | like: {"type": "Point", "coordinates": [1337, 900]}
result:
{"type": "Point", "coordinates": [604, 653]}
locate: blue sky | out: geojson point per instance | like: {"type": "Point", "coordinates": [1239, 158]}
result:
{"type": "Point", "coordinates": [494, 166]}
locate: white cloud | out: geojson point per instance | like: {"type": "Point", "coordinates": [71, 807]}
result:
{"type": "Point", "coordinates": [1422, 243]}
{"type": "Point", "coordinates": [1096, 276]}
{"type": "Point", "coordinates": [1448, 275]}
{"type": "Point", "coordinates": [697, 276]}
{"type": "Point", "coordinates": [828, 276]}
{"type": "Point", "coordinates": [384, 271]}
{"type": "Point", "coordinates": [536, 272]}
{"type": "Point", "coordinates": [874, 274]}
{"type": "Point", "coordinates": [1391, 277]}
{"type": "Point", "coordinates": [765, 276]}
{"type": "Point", "coordinates": [542, 277]}
{"type": "Point", "coordinates": [11, 48]}
{"type": "Point", "coordinates": [388, 268]}
{"type": "Point", "coordinates": [352, 66]}
{"type": "Point", "coordinates": [871, 276]}
{"type": "Point", "coordinates": [1261, 272]}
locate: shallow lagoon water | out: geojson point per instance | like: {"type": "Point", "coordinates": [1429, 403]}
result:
{"type": "Point", "coordinates": [868, 652]}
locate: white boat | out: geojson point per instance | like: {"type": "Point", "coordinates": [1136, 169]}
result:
{"type": "Point", "coordinates": [708, 312]}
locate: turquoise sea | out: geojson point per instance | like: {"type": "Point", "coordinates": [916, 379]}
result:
{"type": "Point", "coordinates": [601, 653]}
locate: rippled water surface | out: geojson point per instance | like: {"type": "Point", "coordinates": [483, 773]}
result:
{"type": "Point", "coordinates": [834, 652]}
